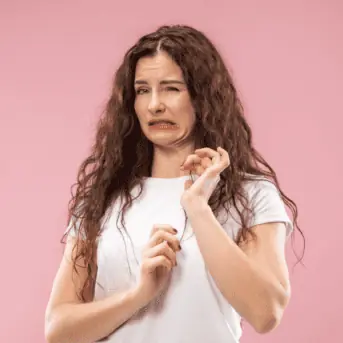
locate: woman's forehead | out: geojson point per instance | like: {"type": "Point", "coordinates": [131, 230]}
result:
{"type": "Point", "coordinates": [160, 67]}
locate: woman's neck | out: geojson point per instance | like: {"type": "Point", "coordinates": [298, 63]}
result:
{"type": "Point", "coordinates": [167, 162]}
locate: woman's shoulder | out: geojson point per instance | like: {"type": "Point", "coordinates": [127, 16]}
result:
{"type": "Point", "coordinates": [252, 184]}
{"type": "Point", "coordinates": [254, 191]}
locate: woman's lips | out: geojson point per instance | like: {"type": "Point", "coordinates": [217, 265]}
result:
{"type": "Point", "coordinates": [163, 126]}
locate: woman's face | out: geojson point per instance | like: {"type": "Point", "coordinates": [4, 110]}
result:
{"type": "Point", "coordinates": [162, 103]}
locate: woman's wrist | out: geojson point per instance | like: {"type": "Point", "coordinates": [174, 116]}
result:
{"type": "Point", "coordinates": [138, 296]}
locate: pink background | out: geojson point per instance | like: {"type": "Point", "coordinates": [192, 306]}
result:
{"type": "Point", "coordinates": [56, 63]}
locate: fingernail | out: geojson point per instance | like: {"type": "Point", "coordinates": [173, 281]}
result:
{"type": "Point", "coordinates": [179, 246]}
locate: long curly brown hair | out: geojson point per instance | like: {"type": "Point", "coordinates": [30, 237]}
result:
{"type": "Point", "coordinates": [122, 156]}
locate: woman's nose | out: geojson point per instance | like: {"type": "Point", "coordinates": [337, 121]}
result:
{"type": "Point", "coordinates": [155, 104]}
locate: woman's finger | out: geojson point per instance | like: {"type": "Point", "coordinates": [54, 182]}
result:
{"type": "Point", "coordinates": [208, 156]}
{"type": "Point", "coordinates": [162, 235]}
{"type": "Point", "coordinates": [206, 162]}
{"type": "Point", "coordinates": [206, 152]}
{"type": "Point", "coordinates": [199, 169]}
{"type": "Point", "coordinates": [224, 157]}
{"type": "Point", "coordinates": [165, 227]}
{"type": "Point", "coordinates": [161, 249]}
{"type": "Point", "coordinates": [190, 161]}
{"type": "Point", "coordinates": [151, 264]}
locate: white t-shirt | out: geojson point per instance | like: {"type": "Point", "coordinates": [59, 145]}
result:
{"type": "Point", "coordinates": [191, 309]}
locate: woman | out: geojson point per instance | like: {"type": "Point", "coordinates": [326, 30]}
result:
{"type": "Point", "coordinates": [178, 226]}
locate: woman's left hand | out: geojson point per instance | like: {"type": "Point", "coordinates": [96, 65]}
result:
{"type": "Point", "coordinates": [207, 164]}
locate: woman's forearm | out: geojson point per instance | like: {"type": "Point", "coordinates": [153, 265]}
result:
{"type": "Point", "coordinates": [252, 291]}
{"type": "Point", "coordinates": [89, 322]}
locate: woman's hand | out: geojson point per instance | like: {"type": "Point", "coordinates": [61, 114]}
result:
{"type": "Point", "coordinates": [158, 259]}
{"type": "Point", "coordinates": [207, 164]}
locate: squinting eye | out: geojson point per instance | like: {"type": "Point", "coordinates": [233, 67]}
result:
{"type": "Point", "coordinates": [172, 89]}
{"type": "Point", "coordinates": [141, 91]}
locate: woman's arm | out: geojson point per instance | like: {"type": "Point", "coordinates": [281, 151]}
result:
{"type": "Point", "coordinates": [90, 322]}
{"type": "Point", "coordinates": [254, 278]}
{"type": "Point", "coordinates": [68, 320]}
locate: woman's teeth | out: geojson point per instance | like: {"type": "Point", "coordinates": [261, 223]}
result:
{"type": "Point", "coordinates": [164, 125]}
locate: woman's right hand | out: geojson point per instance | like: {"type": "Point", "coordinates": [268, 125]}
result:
{"type": "Point", "coordinates": [158, 260]}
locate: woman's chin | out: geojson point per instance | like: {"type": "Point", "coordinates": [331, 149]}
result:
{"type": "Point", "coordinates": [169, 139]}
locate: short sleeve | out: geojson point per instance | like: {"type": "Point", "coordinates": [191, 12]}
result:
{"type": "Point", "coordinates": [267, 205]}
{"type": "Point", "coordinates": [73, 228]}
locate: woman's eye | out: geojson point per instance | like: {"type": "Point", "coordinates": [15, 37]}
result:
{"type": "Point", "coordinates": [141, 91]}
{"type": "Point", "coordinates": [172, 89]}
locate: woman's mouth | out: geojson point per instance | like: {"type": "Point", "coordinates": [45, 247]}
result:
{"type": "Point", "coordinates": [163, 125]}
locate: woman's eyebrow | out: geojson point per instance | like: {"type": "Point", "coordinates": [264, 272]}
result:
{"type": "Point", "coordinates": [164, 82]}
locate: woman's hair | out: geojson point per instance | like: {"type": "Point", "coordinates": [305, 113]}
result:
{"type": "Point", "coordinates": [122, 156]}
